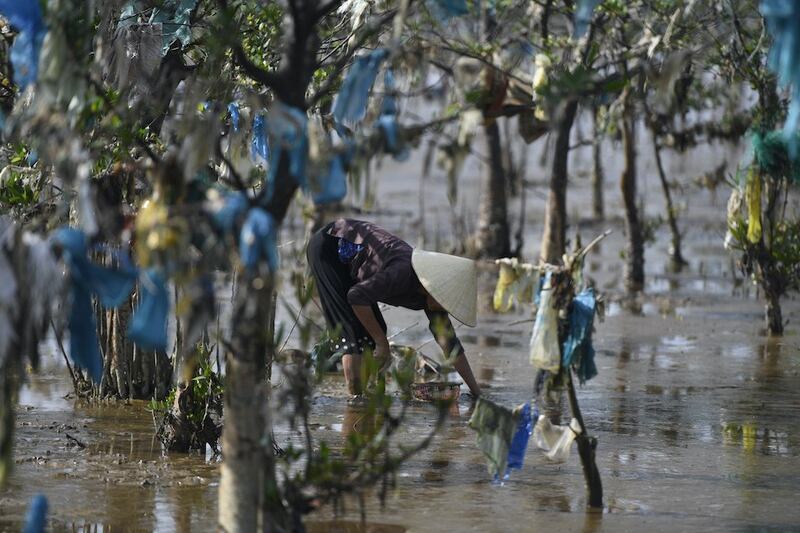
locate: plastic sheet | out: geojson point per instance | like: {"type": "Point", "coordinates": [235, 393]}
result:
{"type": "Point", "coordinates": [233, 111]}
{"type": "Point", "coordinates": [444, 10]}
{"type": "Point", "coordinates": [555, 440]}
{"type": "Point", "coordinates": [26, 17]}
{"type": "Point", "coordinates": [148, 327]}
{"type": "Point", "coordinates": [545, 352]}
{"type": "Point", "coordinates": [257, 240]}
{"type": "Point", "coordinates": [514, 286]}
{"type": "Point", "coordinates": [350, 105]}
{"type": "Point", "coordinates": [287, 133]}
{"type": "Point", "coordinates": [495, 426]}
{"type": "Point", "coordinates": [175, 19]}
{"type": "Point", "coordinates": [259, 147]}
{"type": "Point", "coordinates": [578, 350]}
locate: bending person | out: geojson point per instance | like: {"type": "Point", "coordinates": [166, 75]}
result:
{"type": "Point", "coordinates": [357, 264]}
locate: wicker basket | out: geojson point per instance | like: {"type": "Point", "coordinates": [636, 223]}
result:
{"type": "Point", "coordinates": [436, 391]}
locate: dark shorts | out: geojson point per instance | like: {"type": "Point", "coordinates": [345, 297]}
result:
{"type": "Point", "coordinates": [333, 282]}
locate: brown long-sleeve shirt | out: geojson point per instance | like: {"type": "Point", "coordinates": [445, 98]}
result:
{"type": "Point", "coordinates": [383, 272]}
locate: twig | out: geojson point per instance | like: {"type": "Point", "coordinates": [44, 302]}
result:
{"type": "Point", "coordinates": [66, 359]}
{"type": "Point", "coordinates": [76, 441]}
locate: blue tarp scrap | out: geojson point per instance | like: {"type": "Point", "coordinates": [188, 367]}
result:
{"type": "Point", "coordinates": [148, 327]}
{"type": "Point", "coordinates": [577, 349]}
{"type": "Point", "coordinates": [783, 23]}
{"type": "Point", "coordinates": [350, 105]}
{"type": "Point", "coordinates": [26, 17]}
{"type": "Point", "coordinates": [258, 240]}
{"type": "Point", "coordinates": [112, 286]}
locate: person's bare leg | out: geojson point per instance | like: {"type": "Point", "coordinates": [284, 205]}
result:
{"type": "Point", "coordinates": [465, 371]}
{"type": "Point", "coordinates": [351, 364]}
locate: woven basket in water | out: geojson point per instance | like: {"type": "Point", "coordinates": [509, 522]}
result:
{"type": "Point", "coordinates": [436, 391]}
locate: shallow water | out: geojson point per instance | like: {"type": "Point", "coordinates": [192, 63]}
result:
{"type": "Point", "coordinates": [696, 412]}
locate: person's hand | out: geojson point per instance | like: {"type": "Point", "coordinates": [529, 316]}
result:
{"type": "Point", "coordinates": [383, 356]}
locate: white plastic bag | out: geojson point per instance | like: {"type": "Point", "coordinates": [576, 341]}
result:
{"type": "Point", "coordinates": [555, 440]}
{"type": "Point", "coordinates": [545, 352]}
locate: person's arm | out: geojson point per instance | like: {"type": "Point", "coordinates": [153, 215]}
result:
{"type": "Point", "coordinates": [370, 323]}
{"type": "Point", "coordinates": [446, 338]}
{"type": "Point", "coordinates": [362, 296]}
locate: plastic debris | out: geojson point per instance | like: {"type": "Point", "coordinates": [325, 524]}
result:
{"type": "Point", "coordinates": [545, 352]}
{"type": "Point", "coordinates": [583, 15]}
{"type": "Point", "coordinates": [495, 426]}
{"type": "Point", "coordinates": [514, 285]}
{"type": "Point", "coordinates": [334, 185]}
{"type": "Point", "coordinates": [783, 23]}
{"type": "Point", "coordinates": [519, 442]}
{"type": "Point", "coordinates": [257, 240]}
{"type": "Point", "coordinates": [444, 10]}
{"type": "Point", "coordinates": [36, 517]}
{"type": "Point", "coordinates": [259, 148]}
{"type": "Point", "coordinates": [555, 440]}
{"type": "Point", "coordinates": [287, 133]}
{"type": "Point", "coordinates": [578, 350]}
{"type": "Point", "coordinates": [236, 116]}
{"type": "Point", "coordinates": [112, 287]}
{"type": "Point", "coordinates": [350, 105]}
{"type": "Point", "coordinates": [230, 209]}
{"type": "Point", "coordinates": [175, 19]}
{"type": "Point", "coordinates": [752, 194]}
{"type": "Point", "coordinates": [148, 327]}
{"type": "Point", "coordinates": [387, 121]}
{"type": "Point", "coordinates": [26, 17]}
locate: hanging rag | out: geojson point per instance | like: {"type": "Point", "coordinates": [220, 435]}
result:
{"type": "Point", "coordinates": [753, 198]}
{"type": "Point", "coordinates": [495, 426]}
{"type": "Point", "coordinates": [36, 517]}
{"type": "Point", "coordinates": [257, 240]}
{"type": "Point", "coordinates": [350, 104]}
{"type": "Point", "coordinates": [545, 352]}
{"type": "Point", "coordinates": [519, 442]}
{"type": "Point", "coordinates": [514, 285]}
{"type": "Point", "coordinates": [555, 440]}
{"type": "Point", "coordinates": [25, 16]}
{"type": "Point", "coordinates": [148, 327]}
{"type": "Point", "coordinates": [783, 23]}
{"type": "Point", "coordinates": [111, 285]}
{"type": "Point", "coordinates": [578, 350]}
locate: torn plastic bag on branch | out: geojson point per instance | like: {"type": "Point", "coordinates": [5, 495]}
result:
{"type": "Point", "coordinates": [148, 327]}
{"type": "Point", "coordinates": [387, 121]}
{"type": "Point", "coordinates": [578, 350]}
{"type": "Point", "coordinates": [783, 22]}
{"type": "Point", "coordinates": [350, 105]}
{"type": "Point", "coordinates": [259, 147]}
{"type": "Point", "coordinates": [583, 15]}
{"type": "Point", "coordinates": [236, 116]}
{"type": "Point", "coordinates": [287, 131]}
{"type": "Point", "coordinates": [258, 240]}
{"type": "Point", "coordinates": [26, 17]}
{"type": "Point", "coordinates": [111, 285]}
{"type": "Point", "coordinates": [752, 194]}
{"type": "Point", "coordinates": [514, 285]}
{"type": "Point", "coordinates": [175, 19]}
{"type": "Point", "coordinates": [545, 352]}
{"type": "Point", "coordinates": [555, 440]}
{"type": "Point", "coordinates": [326, 178]}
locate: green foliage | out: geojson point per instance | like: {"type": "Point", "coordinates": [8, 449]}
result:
{"type": "Point", "coordinates": [17, 191]}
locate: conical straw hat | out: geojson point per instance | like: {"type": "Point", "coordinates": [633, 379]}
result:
{"type": "Point", "coordinates": [451, 280]}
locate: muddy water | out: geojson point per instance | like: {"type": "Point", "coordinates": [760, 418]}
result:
{"type": "Point", "coordinates": [696, 412]}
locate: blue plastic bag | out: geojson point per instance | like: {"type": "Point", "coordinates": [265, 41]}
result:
{"type": "Point", "coordinates": [175, 19]}
{"type": "Point", "coordinates": [36, 517]}
{"type": "Point", "coordinates": [233, 111]}
{"type": "Point", "coordinates": [287, 133]}
{"type": "Point", "coordinates": [148, 327]}
{"type": "Point", "coordinates": [258, 240]}
{"type": "Point", "coordinates": [234, 205]}
{"type": "Point", "coordinates": [444, 10]}
{"type": "Point", "coordinates": [350, 104]}
{"type": "Point", "coordinates": [583, 15]}
{"type": "Point", "coordinates": [112, 287]}
{"type": "Point", "coordinates": [259, 147]}
{"type": "Point", "coordinates": [26, 17]}
{"type": "Point", "coordinates": [577, 349]}
{"type": "Point", "coordinates": [334, 185]}
{"type": "Point", "coordinates": [519, 442]}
